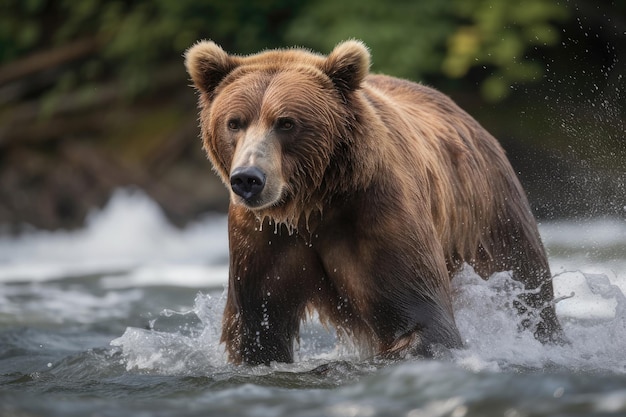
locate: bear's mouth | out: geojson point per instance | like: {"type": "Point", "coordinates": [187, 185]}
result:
{"type": "Point", "coordinates": [251, 203]}
{"type": "Point", "coordinates": [266, 198]}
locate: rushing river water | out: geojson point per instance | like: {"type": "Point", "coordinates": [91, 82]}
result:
{"type": "Point", "coordinates": [122, 319]}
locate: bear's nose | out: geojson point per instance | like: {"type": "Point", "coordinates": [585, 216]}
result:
{"type": "Point", "coordinates": [247, 182]}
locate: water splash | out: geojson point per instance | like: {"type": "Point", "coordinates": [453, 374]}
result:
{"type": "Point", "coordinates": [188, 342]}
{"type": "Point", "coordinates": [180, 343]}
{"type": "Point", "coordinates": [593, 317]}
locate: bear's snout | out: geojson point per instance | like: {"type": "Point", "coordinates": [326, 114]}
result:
{"type": "Point", "coordinates": [247, 182]}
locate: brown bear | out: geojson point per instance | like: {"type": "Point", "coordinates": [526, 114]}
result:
{"type": "Point", "coordinates": [359, 196]}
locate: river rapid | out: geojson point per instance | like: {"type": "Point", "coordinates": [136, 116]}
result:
{"type": "Point", "coordinates": [122, 318]}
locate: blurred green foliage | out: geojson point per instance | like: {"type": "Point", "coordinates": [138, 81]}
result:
{"type": "Point", "coordinates": [411, 39]}
{"type": "Point", "coordinates": [499, 34]}
{"type": "Point", "coordinates": [407, 38]}
{"type": "Point", "coordinates": [138, 37]}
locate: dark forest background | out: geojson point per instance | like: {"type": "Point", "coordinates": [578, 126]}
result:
{"type": "Point", "coordinates": [94, 95]}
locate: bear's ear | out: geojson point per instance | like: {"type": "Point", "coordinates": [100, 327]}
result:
{"type": "Point", "coordinates": [207, 64]}
{"type": "Point", "coordinates": [347, 65]}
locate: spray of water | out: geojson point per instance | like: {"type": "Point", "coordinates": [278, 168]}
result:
{"type": "Point", "coordinates": [484, 313]}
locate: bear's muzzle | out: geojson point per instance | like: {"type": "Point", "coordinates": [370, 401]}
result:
{"type": "Point", "coordinates": [247, 182]}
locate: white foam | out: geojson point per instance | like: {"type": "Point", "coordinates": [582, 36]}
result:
{"type": "Point", "coordinates": [131, 235]}
{"type": "Point", "coordinates": [580, 300]}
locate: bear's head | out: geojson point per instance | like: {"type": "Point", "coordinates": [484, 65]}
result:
{"type": "Point", "coordinates": [276, 124]}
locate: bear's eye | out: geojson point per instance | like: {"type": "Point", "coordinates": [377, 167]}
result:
{"type": "Point", "coordinates": [285, 123]}
{"type": "Point", "coordinates": [234, 124]}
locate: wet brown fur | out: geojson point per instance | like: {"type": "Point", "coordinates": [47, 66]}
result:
{"type": "Point", "coordinates": [389, 187]}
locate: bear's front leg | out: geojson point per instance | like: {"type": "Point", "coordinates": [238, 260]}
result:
{"type": "Point", "coordinates": [257, 328]}
{"type": "Point", "coordinates": [270, 280]}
